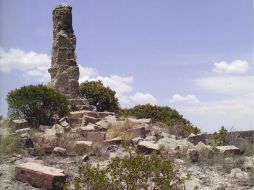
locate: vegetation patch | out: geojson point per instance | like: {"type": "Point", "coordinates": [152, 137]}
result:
{"type": "Point", "coordinates": [163, 114]}
{"type": "Point", "coordinates": [130, 173]}
{"type": "Point", "coordinates": [103, 98]}
{"type": "Point", "coordinates": [37, 103]}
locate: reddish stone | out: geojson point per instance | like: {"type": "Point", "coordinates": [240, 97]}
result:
{"type": "Point", "coordinates": [40, 176]}
{"type": "Point", "coordinates": [96, 137]}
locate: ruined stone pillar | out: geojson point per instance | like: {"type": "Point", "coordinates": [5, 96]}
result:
{"type": "Point", "coordinates": [64, 70]}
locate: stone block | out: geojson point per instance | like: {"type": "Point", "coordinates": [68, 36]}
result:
{"type": "Point", "coordinates": [40, 176]}
{"type": "Point", "coordinates": [24, 130]}
{"type": "Point", "coordinates": [88, 119]}
{"type": "Point", "coordinates": [96, 137]}
{"type": "Point", "coordinates": [147, 147]}
{"type": "Point", "coordinates": [114, 141]}
{"type": "Point", "coordinates": [59, 151]}
{"type": "Point", "coordinates": [228, 149]}
{"type": "Point", "coordinates": [19, 124]}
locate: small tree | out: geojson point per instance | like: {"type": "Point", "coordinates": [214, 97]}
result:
{"type": "Point", "coordinates": [219, 138]}
{"type": "Point", "coordinates": [103, 98]}
{"type": "Point", "coordinates": [37, 103]}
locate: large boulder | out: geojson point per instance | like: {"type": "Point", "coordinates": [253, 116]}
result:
{"type": "Point", "coordinates": [40, 176]}
{"type": "Point", "coordinates": [228, 149]}
{"type": "Point", "coordinates": [147, 147]}
{"type": "Point", "coordinates": [204, 150]}
{"type": "Point", "coordinates": [114, 141]}
{"type": "Point", "coordinates": [195, 139]}
{"type": "Point", "coordinates": [173, 144]}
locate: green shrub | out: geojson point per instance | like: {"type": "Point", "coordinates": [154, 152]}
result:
{"type": "Point", "coordinates": [130, 173]}
{"type": "Point", "coordinates": [37, 103]}
{"type": "Point", "coordinates": [220, 137]}
{"type": "Point", "coordinates": [163, 114]}
{"type": "Point", "coordinates": [103, 98]}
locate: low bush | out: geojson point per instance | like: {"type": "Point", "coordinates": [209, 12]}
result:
{"type": "Point", "coordinates": [163, 114]}
{"type": "Point", "coordinates": [37, 103]}
{"type": "Point", "coordinates": [130, 173]}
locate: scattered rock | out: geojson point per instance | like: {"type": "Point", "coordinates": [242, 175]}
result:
{"type": "Point", "coordinates": [249, 163]}
{"type": "Point", "coordinates": [147, 147]}
{"type": "Point", "coordinates": [136, 140]}
{"type": "Point", "coordinates": [150, 138]}
{"type": "Point", "coordinates": [89, 119]}
{"type": "Point", "coordinates": [112, 148]}
{"type": "Point", "coordinates": [83, 144]}
{"type": "Point", "coordinates": [43, 128]}
{"type": "Point", "coordinates": [64, 123]}
{"type": "Point", "coordinates": [19, 124]}
{"type": "Point", "coordinates": [195, 139]}
{"type": "Point", "coordinates": [24, 130]}
{"type": "Point", "coordinates": [40, 176]}
{"type": "Point", "coordinates": [238, 173]}
{"type": "Point", "coordinates": [228, 149]}
{"type": "Point", "coordinates": [114, 141]}
{"type": "Point", "coordinates": [51, 134]}
{"type": "Point", "coordinates": [59, 151]}
{"type": "Point", "coordinates": [24, 135]}
{"type": "Point", "coordinates": [140, 121]}
{"type": "Point", "coordinates": [96, 137]}
{"type": "Point", "coordinates": [204, 150]}
{"type": "Point", "coordinates": [85, 158]}
{"type": "Point", "coordinates": [173, 144]}
{"type": "Point", "coordinates": [89, 128]}
{"type": "Point", "coordinates": [102, 124]}
{"type": "Point", "coordinates": [192, 155]}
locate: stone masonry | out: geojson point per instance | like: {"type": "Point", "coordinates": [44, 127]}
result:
{"type": "Point", "coordinates": [64, 69]}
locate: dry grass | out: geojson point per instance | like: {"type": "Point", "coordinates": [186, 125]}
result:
{"type": "Point", "coordinates": [120, 130]}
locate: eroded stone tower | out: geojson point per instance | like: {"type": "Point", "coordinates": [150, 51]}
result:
{"type": "Point", "coordinates": [64, 70]}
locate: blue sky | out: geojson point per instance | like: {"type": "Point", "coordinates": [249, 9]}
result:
{"type": "Point", "coordinates": [195, 56]}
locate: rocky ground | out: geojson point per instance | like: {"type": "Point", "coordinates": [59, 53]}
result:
{"type": "Point", "coordinates": [93, 137]}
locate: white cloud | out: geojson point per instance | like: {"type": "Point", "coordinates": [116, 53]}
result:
{"type": "Point", "coordinates": [236, 112]}
{"type": "Point", "coordinates": [227, 85]}
{"type": "Point", "coordinates": [141, 98]}
{"type": "Point", "coordinates": [137, 98]}
{"type": "Point", "coordinates": [86, 73]}
{"type": "Point", "coordinates": [31, 63]}
{"type": "Point", "coordinates": [189, 99]}
{"type": "Point", "coordinates": [37, 65]}
{"type": "Point", "coordinates": [120, 84]}
{"type": "Point", "coordinates": [237, 66]}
